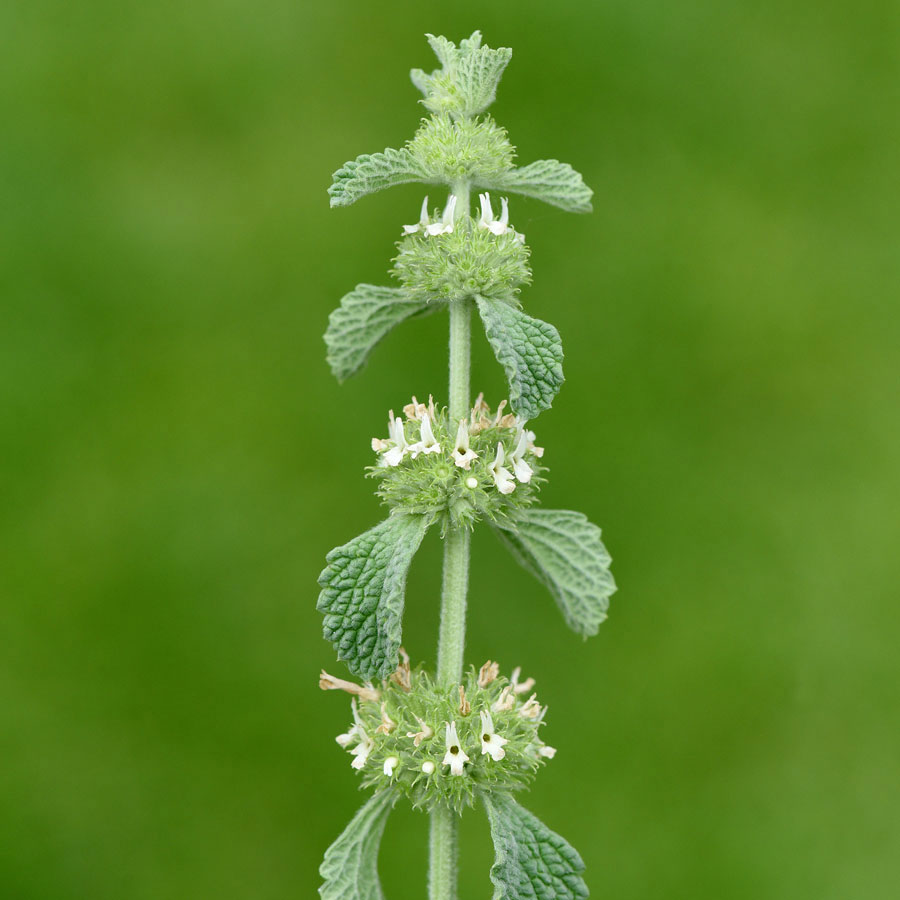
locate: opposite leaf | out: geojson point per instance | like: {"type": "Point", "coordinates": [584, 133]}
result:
{"type": "Point", "coordinates": [530, 352]}
{"type": "Point", "coordinates": [531, 861]}
{"type": "Point", "coordinates": [350, 867]}
{"type": "Point", "coordinates": [551, 181]}
{"type": "Point", "coordinates": [364, 317]}
{"type": "Point", "coordinates": [373, 172]}
{"type": "Point", "coordinates": [564, 551]}
{"type": "Point", "coordinates": [362, 594]}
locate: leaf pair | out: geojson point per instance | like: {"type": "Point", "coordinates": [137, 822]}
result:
{"type": "Point", "coordinates": [529, 350]}
{"type": "Point", "coordinates": [464, 86]}
{"type": "Point", "coordinates": [364, 581]}
{"type": "Point", "coordinates": [549, 180]}
{"type": "Point", "coordinates": [531, 861]}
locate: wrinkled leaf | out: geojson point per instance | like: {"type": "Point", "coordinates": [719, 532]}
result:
{"type": "Point", "coordinates": [564, 551]}
{"type": "Point", "coordinates": [548, 180]}
{"type": "Point", "coordinates": [364, 317]}
{"type": "Point", "coordinates": [531, 862]}
{"type": "Point", "coordinates": [530, 352]}
{"type": "Point", "coordinates": [373, 172]}
{"type": "Point", "coordinates": [466, 83]}
{"type": "Point", "coordinates": [350, 867]}
{"type": "Point", "coordinates": [362, 595]}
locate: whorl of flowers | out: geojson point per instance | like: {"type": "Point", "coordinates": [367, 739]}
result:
{"type": "Point", "coordinates": [482, 467]}
{"type": "Point", "coordinates": [443, 744]}
{"type": "Point", "coordinates": [443, 260]}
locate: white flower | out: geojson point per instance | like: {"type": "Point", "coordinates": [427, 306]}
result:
{"type": "Point", "coordinates": [445, 226]}
{"type": "Point", "coordinates": [521, 468]}
{"type": "Point", "coordinates": [487, 220]}
{"type": "Point", "coordinates": [426, 443]}
{"type": "Point", "coordinates": [361, 752]}
{"type": "Point", "coordinates": [537, 451]}
{"type": "Point", "coordinates": [356, 731]}
{"type": "Point", "coordinates": [389, 765]}
{"type": "Point", "coordinates": [471, 482]}
{"type": "Point", "coordinates": [428, 767]}
{"type": "Point", "coordinates": [425, 731]}
{"type": "Point", "coordinates": [397, 437]}
{"type": "Point", "coordinates": [549, 752]}
{"type": "Point", "coordinates": [365, 746]}
{"type": "Point", "coordinates": [461, 454]}
{"type": "Point", "coordinates": [491, 743]}
{"type": "Point", "coordinates": [455, 757]}
{"type": "Point", "coordinates": [424, 221]}
{"type": "Point", "coordinates": [502, 477]}
{"type": "Point", "coordinates": [497, 226]}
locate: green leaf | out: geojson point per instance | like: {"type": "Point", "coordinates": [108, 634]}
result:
{"type": "Point", "coordinates": [374, 172]}
{"type": "Point", "coordinates": [362, 594]}
{"type": "Point", "coordinates": [531, 862]}
{"type": "Point", "coordinates": [529, 350]}
{"type": "Point", "coordinates": [364, 317]}
{"type": "Point", "coordinates": [564, 551]}
{"type": "Point", "coordinates": [548, 180]}
{"type": "Point", "coordinates": [466, 84]}
{"type": "Point", "coordinates": [350, 867]}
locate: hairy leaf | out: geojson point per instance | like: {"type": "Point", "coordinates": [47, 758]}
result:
{"type": "Point", "coordinates": [374, 172]}
{"type": "Point", "coordinates": [530, 352]}
{"type": "Point", "coordinates": [563, 549]}
{"type": "Point", "coordinates": [467, 82]}
{"type": "Point", "coordinates": [531, 862]}
{"type": "Point", "coordinates": [362, 594]}
{"type": "Point", "coordinates": [364, 317]}
{"type": "Point", "coordinates": [548, 180]}
{"type": "Point", "coordinates": [350, 867]}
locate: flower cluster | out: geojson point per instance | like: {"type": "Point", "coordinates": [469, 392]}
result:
{"type": "Point", "coordinates": [443, 744]}
{"type": "Point", "coordinates": [444, 223]}
{"type": "Point", "coordinates": [475, 150]}
{"type": "Point", "coordinates": [486, 257]}
{"type": "Point", "coordinates": [484, 466]}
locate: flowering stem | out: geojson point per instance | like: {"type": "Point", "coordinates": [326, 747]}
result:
{"type": "Point", "coordinates": [452, 639]}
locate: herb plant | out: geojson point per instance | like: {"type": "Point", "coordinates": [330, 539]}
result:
{"type": "Point", "coordinates": [457, 737]}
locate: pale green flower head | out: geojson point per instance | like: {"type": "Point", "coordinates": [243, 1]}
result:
{"type": "Point", "coordinates": [444, 744]}
{"type": "Point", "coordinates": [466, 83]}
{"type": "Point", "coordinates": [451, 150]}
{"type": "Point", "coordinates": [467, 262]}
{"type": "Point", "coordinates": [483, 467]}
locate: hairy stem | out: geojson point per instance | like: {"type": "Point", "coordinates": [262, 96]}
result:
{"type": "Point", "coordinates": [443, 846]}
{"type": "Point", "coordinates": [452, 640]}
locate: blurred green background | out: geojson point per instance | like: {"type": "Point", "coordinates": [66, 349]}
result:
{"type": "Point", "coordinates": [175, 459]}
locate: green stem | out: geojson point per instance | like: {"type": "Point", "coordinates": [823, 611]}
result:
{"type": "Point", "coordinates": [443, 844]}
{"type": "Point", "coordinates": [453, 607]}
{"type": "Point", "coordinates": [452, 639]}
